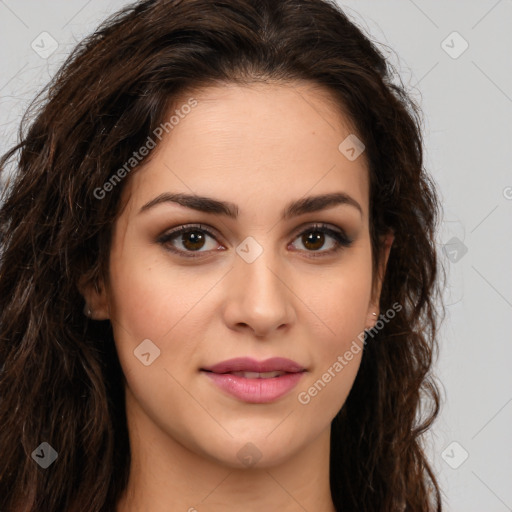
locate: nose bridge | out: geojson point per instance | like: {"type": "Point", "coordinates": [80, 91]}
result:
{"type": "Point", "coordinates": [261, 299]}
{"type": "Point", "coordinates": [259, 274]}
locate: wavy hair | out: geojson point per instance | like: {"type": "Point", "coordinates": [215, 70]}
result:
{"type": "Point", "coordinates": [60, 378]}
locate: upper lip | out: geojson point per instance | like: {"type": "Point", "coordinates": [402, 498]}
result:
{"type": "Point", "coordinates": [241, 364]}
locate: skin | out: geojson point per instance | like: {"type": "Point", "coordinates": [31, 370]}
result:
{"type": "Point", "coordinates": [260, 147]}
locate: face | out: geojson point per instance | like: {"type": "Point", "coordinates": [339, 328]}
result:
{"type": "Point", "coordinates": [266, 275]}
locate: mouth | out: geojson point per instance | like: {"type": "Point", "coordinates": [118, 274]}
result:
{"type": "Point", "coordinates": [255, 382]}
{"type": "Point", "coordinates": [255, 375]}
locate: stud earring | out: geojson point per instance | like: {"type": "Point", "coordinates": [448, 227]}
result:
{"type": "Point", "coordinates": [87, 311]}
{"type": "Point", "coordinates": [374, 314]}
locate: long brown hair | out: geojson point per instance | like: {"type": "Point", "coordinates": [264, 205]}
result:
{"type": "Point", "coordinates": [60, 379]}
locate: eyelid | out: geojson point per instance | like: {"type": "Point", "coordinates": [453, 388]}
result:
{"type": "Point", "coordinates": [307, 226]}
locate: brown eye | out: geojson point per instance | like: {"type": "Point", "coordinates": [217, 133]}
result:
{"type": "Point", "coordinates": [193, 240]}
{"type": "Point", "coordinates": [188, 239]}
{"type": "Point", "coordinates": [314, 238]}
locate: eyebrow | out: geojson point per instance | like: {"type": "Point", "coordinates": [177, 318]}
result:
{"type": "Point", "coordinates": [216, 207]}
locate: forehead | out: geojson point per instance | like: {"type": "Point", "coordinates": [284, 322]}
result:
{"type": "Point", "coordinates": [263, 140]}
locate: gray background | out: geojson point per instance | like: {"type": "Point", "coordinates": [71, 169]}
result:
{"type": "Point", "coordinates": [467, 101]}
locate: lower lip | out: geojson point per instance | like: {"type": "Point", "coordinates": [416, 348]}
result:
{"type": "Point", "coordinates": [257, 391]}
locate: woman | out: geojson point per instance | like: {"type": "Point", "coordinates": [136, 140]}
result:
{"type": "Point", "coordinates": [218, 275]}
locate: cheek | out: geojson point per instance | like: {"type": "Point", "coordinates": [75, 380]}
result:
{"type": "Point", "coordinates": [148, 296]}
{"type": "Point", "coordinates": [151, 299]}
{"type": "Point", "coordinates": [149, 302]}
{"type": "Point", "coordinates": [338, 301]}
{"type": "Point", "coordinates": [338, 346]}
{"type": "Point", "coordinates": [338, 308]}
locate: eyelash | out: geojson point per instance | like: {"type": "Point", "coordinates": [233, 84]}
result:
{"type": "Point", "coordinates": [342, 241]}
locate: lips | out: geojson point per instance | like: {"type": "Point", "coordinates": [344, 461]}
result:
{"type": "Point", "coordinates": [255, 382]}
{"type": "Point", "coordinates": [246, 364]}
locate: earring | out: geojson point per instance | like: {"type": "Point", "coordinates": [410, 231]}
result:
{"type": "Point", "coordinates": [87, 311]}
{"type": "Point", "coordinates": [374, 314]}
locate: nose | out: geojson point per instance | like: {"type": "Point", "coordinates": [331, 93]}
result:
{"type": "Point", "coordinates": [259, 298]}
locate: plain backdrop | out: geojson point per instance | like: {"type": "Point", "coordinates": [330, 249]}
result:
{"type": "Point", "coordinates": [456, 59]}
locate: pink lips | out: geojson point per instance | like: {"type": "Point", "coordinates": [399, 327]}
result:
{"type": "Point", "coordinates": [255, 390]}
{"type": "Point", "coordinates": [246, 364]}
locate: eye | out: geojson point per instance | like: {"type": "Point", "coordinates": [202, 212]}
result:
{"type": "Point", "coordinates": [193, 238]}
{"type": "Point", "coordinates": [314, 237]}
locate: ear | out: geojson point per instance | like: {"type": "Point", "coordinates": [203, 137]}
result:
{"type": "Point", "coordinates": [386, 241]}
{"type": "Point", "coordinates": [95, 297]}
